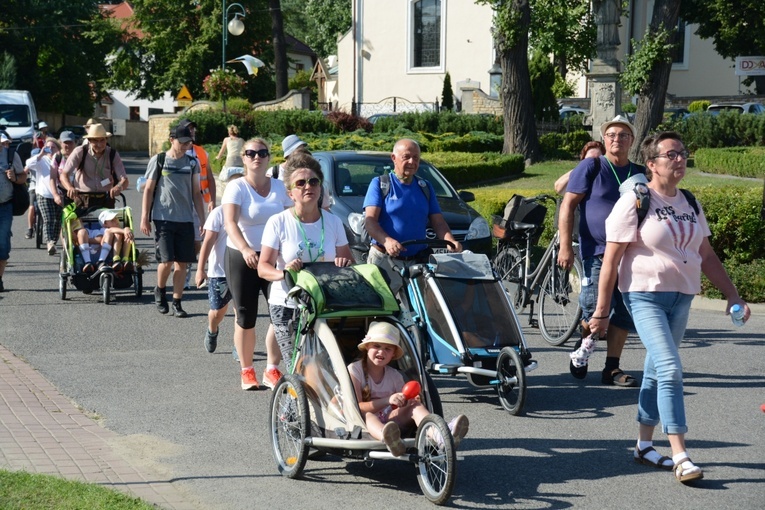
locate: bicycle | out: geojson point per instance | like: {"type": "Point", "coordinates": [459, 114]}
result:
{"type": "Point", "coordinates": [557, 290]}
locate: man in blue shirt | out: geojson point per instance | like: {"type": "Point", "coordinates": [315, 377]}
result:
{"type": "Point", "coordinates": [403, 213]}
{"type": "Point", "coordinates": [594, 188]}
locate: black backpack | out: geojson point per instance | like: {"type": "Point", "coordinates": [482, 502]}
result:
{"type": "Point", "coordinates": [643, 201]}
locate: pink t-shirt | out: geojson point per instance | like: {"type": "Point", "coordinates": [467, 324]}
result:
{"type": "Point", "coordinates": [663, 256]}
{"type": "Point", "coordinates": [392, 381]}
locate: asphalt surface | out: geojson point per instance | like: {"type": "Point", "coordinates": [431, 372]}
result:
{"type": "Point", "coordinates": [179, 412]}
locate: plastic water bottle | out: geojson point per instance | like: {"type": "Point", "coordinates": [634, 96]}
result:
{"type": "Point", "coordinates": [737, 315]}
{"type": "Point", "coordinates": [580, 356]}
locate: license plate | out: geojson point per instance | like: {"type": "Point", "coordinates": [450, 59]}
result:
{"type": "Point", "coordinates": [440, 250]}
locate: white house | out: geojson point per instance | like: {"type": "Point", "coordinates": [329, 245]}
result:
{"type": "Point", "coordinates": [404, 48]}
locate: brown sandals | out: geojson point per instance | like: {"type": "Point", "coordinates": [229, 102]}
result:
{"type": "Point", "coordinates": [681, 475]}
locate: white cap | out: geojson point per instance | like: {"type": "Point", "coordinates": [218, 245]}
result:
{"type": "Point", "coordinates": [106, 215]}
{"type": "Point", "coordinates": [42, 124]}
{"type": "Point", "coordinates": [629, 184]}
{"type": "Point", "coordinates": [230, 172]}
{"type": "Point", "coordinates": [4, 137]}
{"type": "Point", "coordinates": [290, 143]}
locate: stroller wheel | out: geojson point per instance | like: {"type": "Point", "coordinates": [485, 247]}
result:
{"type": "Point", "coordinates": [289, 426]}
{"type": "Point", "coordinates": [62, 286]}
{"type": "Point", "coordinates": [437, 459]}
{"type": "Point", "coordinates": [511, 380]}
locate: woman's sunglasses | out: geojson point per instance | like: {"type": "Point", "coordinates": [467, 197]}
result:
{"type": "Point", "coordinates": [301, 183]}
{"type": "Point", "coordinates": [261, 153]}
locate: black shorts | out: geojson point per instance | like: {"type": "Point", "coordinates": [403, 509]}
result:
{"type": "Point", "coordinates": [174, 241]}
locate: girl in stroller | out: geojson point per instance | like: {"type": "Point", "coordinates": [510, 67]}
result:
{"type": "Point", "coordinates": [109, 234]}
{"type": "Point", "coordinates": [379, 387]}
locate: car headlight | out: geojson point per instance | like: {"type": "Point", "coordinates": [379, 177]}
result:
{"type": "Point", "coordinates": [478, 229]}
{"type": "Point", "coordinates": [356, 222]}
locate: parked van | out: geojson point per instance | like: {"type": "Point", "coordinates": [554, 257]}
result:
{"type": "Point", "coordinates": [18, 117]}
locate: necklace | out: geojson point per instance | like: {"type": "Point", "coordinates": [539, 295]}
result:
{"type": "Point", "coordinates": [320, 251]}
{"type": "Point", "coordinates": [260, 190]}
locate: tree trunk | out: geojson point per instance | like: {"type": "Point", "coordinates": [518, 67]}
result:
{"type": "Point", "coordinates": [650, 104]}
{"type": "Point", "coordinates": [280, 48]}
{"type": "Point", "coordinates": [517, 106]}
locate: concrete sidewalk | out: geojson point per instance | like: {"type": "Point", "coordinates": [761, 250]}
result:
{"type": "Point", "coordinates": [41, 431]}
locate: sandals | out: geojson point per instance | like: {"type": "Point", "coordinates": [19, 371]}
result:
{"type": "Point", "coordinates": [640, 458]}
{"type": "Point", "coordinates": [617, 377]}
{"type": "Point", "coordinates": [687, 475]}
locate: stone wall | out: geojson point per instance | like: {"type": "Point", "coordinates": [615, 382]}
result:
{"type": "Point", "coordinates": [294, 100]}
{"type": "Point", "coordinates": [475, 100]}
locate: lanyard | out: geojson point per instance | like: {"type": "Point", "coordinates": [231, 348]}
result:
{"type": "Point", "coordinates": [100, 170]}
{"type": "Point", "coordinates": [320, 252]}
{"type": "Point", "coordinates": [614, 171]}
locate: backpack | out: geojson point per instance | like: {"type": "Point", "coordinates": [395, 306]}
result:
{"type": "Point", "coordinates": [274, 171]}
{"type": "Point", "coordinates": [81, 164]}
{"type": "Point", "coordinates": [366, 239]}
{"type": "Point", "coordinates": [643, 201]}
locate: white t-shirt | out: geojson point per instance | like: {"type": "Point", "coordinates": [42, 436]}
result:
{"type": "Point", "coordinates": [294, 239]}
{"type": "Point", "coordinates": [41, 168]}
{"type": "Point", "coordinates": [214, 223]}
{"type": "Point", "coordinates": [663, 256]}
{"type": "Point", "coordinates": [392, 381]}
{"type": "Point", "coordinates": [255, 210]}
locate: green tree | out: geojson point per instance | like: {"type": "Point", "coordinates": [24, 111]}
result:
{"type": "Point", "coordinates": [736, 28]}
{"type": "Point", "coordinates": [447, 94]}
{"type": "Point", "coordinates": [7, 71]}
{"type": "Point", "coordinates": [178, 42]}
{"type": "Point", "coordinates": [318, 23]}
{"type": "Point", "coordinates": [542, 74]}
{"type": "Point", "coordinates": [647, 70]}
{"type": "Point", "coordinates": [512, 20]}
{"type": "Point", "coordinates": [62, 62]}
{"type": "Point", "coordinates": [566, 30]}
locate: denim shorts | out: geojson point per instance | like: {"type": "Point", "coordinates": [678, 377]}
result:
{"type": "Point", "coordinates": [588, 298]}
{"type": "Point", "coordinates": [218, 293]}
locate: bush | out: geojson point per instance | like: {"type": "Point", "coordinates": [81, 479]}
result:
{"type": "Point", "coordinates": [563, 145]}
{"type": "Point", "coordinates": [288, 122]}
{"type": "Point", "coordinates": [739, 161]}
{"type": "Point", "coordinates": [462, 169]}
{"type": "Point", "coordinates": [748, 278]}
{"type": "Point", "coordinates": [728, 129]}
{"type": "Point", "coordinates": [629, 108]}
{"type": "Point", "coordinates": [699, 106]}
{"type": "Point", "coordinates": [441, 123]}
{"type": "Point", "coordinates": [346, 123]}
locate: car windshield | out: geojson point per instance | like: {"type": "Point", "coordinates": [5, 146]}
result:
{"type": "Point", "coordinates": [352, 178]}
{"type": "Point", "coordinates": [14, 115]}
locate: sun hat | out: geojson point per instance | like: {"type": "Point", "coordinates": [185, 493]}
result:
{"type": "Point", "coordinates": [106, 215]}
{"type": "Point", "coordinates": [290, 143]}
{"type": "Point", "coordinates": [383, 333]}
{"type": "Point", "coordinates": [619, 119]}
{"type": "Point", "coordinates": [67, 136]}
{"type": "Point", "coordinates": [230, 172]}
{"type": "Point", "coordinates": [42, 124]}
{"type": "Point", "coordinates": [182, 133]}
{"type": "Point", "coordinates": [97, 131]}
{"type": "Point", "coordinates": [4, 137]}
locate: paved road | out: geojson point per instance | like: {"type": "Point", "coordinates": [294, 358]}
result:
{"type": "Point", "coordinates": [178, 411]}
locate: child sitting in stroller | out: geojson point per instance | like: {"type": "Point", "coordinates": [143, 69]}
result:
{"type": "Point", "coordinates": [378, 390]}
{"type": "Point", "coordinates": [109, 234]}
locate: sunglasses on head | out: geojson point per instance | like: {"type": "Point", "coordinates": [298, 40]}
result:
{"type": "Point", "coordinates": [301, 183]}
{"type": "Point", "coordinates": [261, 153]}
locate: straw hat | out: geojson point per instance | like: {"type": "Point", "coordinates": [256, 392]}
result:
{"type": "Point", "coordinates": [97, 131]}
{"type": "Point", "coordinates": [383, 333]}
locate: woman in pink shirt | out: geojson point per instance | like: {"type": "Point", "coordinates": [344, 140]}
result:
{"type": "Point", "coordinates": [659, 264]}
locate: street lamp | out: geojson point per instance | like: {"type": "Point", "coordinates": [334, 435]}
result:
{"type": "Point", "coordinates": [236, 27]}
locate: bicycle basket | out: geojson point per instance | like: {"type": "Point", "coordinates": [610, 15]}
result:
{"type": "Point", "coordinates": [519, 209]}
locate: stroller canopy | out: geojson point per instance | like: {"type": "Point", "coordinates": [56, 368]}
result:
{"type": "Point", "coordinates": [332, 291]}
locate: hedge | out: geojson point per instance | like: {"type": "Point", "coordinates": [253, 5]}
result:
{"type": "Point", "coordinates": [738, 161]}
{"type": "Point", "coordinates": [461, 168]}
{"type": "Point", "coordinates": [728, 129]}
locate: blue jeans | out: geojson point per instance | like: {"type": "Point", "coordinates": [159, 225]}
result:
{"type": "Point", "coordinates": [6, 220]}
{"type": "Point", "coordinates": [588, 298]}
{"type": "Point", "coordinates": [660, 319]}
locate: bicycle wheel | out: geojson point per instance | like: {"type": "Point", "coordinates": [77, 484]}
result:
{"type": "Point", "coordinates": [511, 376]}
{"type": "Point", "coordinates": [289, 425]}
{"type": "Point", "coordinates": [436, 459]}
{"type": "Point", "coordinates": [508, 264]}
{"type": "Point", "coordinates": [559, 310]}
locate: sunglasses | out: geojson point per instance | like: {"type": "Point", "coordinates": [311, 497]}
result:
{"type": "Point", "coordinates": [301, 183]}
{"type": "Point", "coordinates": [261, 153]}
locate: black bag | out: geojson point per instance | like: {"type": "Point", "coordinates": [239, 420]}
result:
{"type": "Point", "coordinates": [20, 199]}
